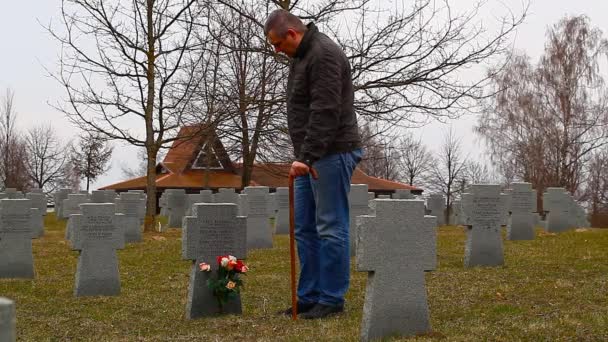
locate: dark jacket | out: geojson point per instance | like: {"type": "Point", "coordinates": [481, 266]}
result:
{"type": "Point", "coordinates": [320, 111]}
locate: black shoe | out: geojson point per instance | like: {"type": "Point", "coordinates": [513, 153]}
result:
{"type": "Point", "coordinates": [302, 308]}
{"type": "Point", "coordinates": [322, 311]}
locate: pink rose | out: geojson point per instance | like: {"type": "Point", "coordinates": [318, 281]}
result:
{"type": "Point", "coordinates": [244, 269]}
{"type": "Point", "coordinates": [204, 267]}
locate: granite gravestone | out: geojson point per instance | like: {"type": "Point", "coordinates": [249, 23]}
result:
{"type": "Point", "coordinates": [395, 247]}
{"type": "Point", "coordinates": [226, 195]}
{"type": "Point", "coordinates": [13, 193]}
{"type": "Point", "coordinates": [176, 207]}
{"type": "Point", "coordinates": [436, 206]}
{"type": "Point", "coordinates": [466, 202]}
{"type": "Point", "coordinates": [58, 198]}
{"type": "Point", "coordinates": [16, 233]}
{"type": "Point", "coordinates": [371, 196]}
{"type": "Point", "coordinates": [272, 205]}
{"type": "Point", "coordinates": [282, 218]}
{"type": "Point", "coordinates": [71, 206]}
{"type": "Point", "coordinates": [7, 320]}
{"type": "Point", "coordinates": [484, 241]}
{"type": "Point", "coordinates": [455, 212]}
{"type": "Point", "coordinates": [505, 204]}
{"type": "Point", "coordinates": [555, 201]}
{"type": "Point", "coordinates": [521, 223]}
{"type": "Point", "coordinates": [162, 203]}
{"type": "Point", "coordinates": [384, 196]}
{"type": "Point", "coordinates": [403, 194]}
{"type": "Point", "coordinates": [99, 196]}
{"type": "Point", "coordinates": [259, 232]}
{"type": "Point", "coordinates": [130, 205]}
{"type": "Point", "coordinates": [38, 212]}
{"type": "Point", "coordinates": [358, 205]}
{"type": "Point", "coordinates": [97, 235]}
{"type": "Point", "coordinates": [192, 199]}
{"type": "Point", "coordinates": [215, 230]}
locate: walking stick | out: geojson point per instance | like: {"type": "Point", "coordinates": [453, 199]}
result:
{"type": "Point", "coordinates": [292, 245]}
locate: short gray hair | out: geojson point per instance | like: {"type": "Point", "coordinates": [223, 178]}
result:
{"type": "Point", "coordinates": [280, 20]}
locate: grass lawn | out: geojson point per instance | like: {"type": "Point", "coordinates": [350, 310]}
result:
{"type": "Point", "coordinates": [552, 288]}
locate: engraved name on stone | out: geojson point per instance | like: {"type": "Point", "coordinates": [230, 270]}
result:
{"type": "Point", "coordinates": [98, 227]}
{"type": "Point", "coordinates": [15, 223]}
{"type": "Point", "coordinates": [486, 211]}
{"type": "Point", "coordinates": [216, 236]}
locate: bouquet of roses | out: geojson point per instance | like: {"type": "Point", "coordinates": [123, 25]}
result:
{"type": "Point", "coordinates": [228, 282]}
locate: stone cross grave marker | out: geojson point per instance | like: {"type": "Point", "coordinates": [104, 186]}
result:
{"type": "Point", "coordinates": [521, 223]}
{"type": "Point", "coordinates": [403, 194]}
{"type": "Point", "coordinates": [191, 199]}
{"type": "Point", "coordinates": [162, 203]}
{"type": "Point", "coordinates": [58, 198]}
{"type": "Point", "coordinates": [259, 232]}
{"type": "Point", "coordinates": [396, 246]}
{"type": "Point", "coordinates": [71, 206]}
{"type": "Point", "coordinates": [13, 193]}
{"type": "Point", "coordinates": [130, 205]}
{"type": "Point", "coordinates": [97, 235]}
{"type": "Point", "coordinates": [358, 205]}
{"type": "Point", "coordinates": [215, 230]}
{"type": "Point", "coordinates": [282, 219]}
{"type": "Point", "coordinates": [436, 205]}
{"type": "Point", "coordinates": [556, 203]}
{"type": "Point", "coordinates": [272, 205]}
{"type": "Point", "coordinates": [226, 195]}
{"type": "Point", "coordinates": [7, 320]}
{"type": "Point", "coordinates": [505, 204]}
{"type": "Point", "coordinates": [176, 207]}
{"type": "Point", "coordinates": [98, 196]}
{"type": "Point", "coordinates": [484, 241]}
{"type": "Point", "coordinates": [39, 206]}
{"type": "Point", "coordinates": [16, 233]}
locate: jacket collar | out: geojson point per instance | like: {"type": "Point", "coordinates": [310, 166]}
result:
{"type": "Point", "coordinates": [306, 40]}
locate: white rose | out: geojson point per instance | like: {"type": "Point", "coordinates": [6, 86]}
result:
{"type": "Point", "coordinates": [232, 258]}
{"type": "Point", "coordinates": [224, 262]}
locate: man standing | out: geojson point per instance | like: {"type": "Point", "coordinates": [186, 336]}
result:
{"type": "Point", "coordinates": [324, 133]}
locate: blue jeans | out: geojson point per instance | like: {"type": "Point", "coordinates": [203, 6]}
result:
{"type": "Point", "coordinates": [321, 229]}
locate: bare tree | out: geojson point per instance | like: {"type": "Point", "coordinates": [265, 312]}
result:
{"type": "Point", "coordinates": [401, 71]}
{"type": "Point", "coordinates": [47, 157]}
{"type": "Point", "coordinates": [596, 192]}
{"type": "Point", "coordinates": [415, 159]}
{"type": "Point", "coordinates": [141, 167]}
{"type": "Point", "coordinates": [90, 157]}
{"type": "Point", "coordinates": [448, 169]}
{"type": "Point", "coordinates": [548, 119]}
{"type": "Point", "coordinates": [128, 67]}
{"type": "Point", "coordinates": [405, 66]}
{"type": "Point", "coordinates": [477, 173]}
{"type": "Point", "coordinates": [381, 157]}
{"type": "Point", "coordinates": [14, 153]}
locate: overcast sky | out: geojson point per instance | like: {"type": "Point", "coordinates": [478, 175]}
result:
{"type": "Point", "coordinates": [27, 49]}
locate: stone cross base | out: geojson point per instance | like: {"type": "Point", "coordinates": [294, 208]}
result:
{"type": "Point", "coordinates": [201, 302]}
{"type": "Point", "coordinates": [97, 273]}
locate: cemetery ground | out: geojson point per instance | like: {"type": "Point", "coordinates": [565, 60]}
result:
{"type": "Point", "coordinates": [552, 288]}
